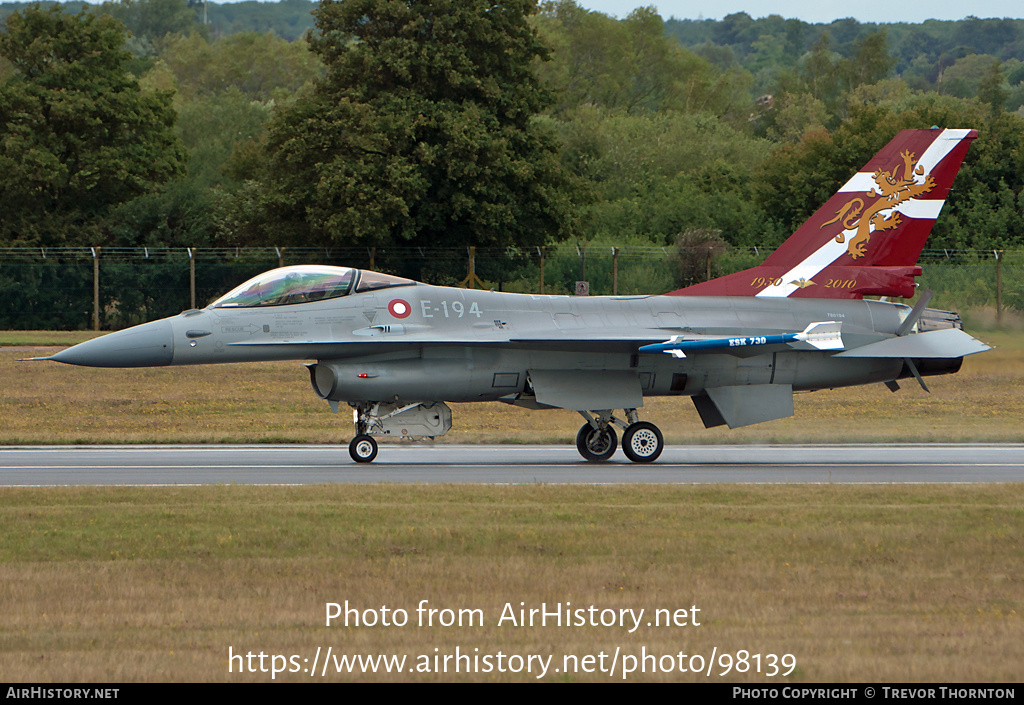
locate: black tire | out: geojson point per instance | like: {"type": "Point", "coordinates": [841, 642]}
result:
{"type": "Point", "coordinates": [642, 442]}
{"type": "Point", "coordinates": [363, 449]}
{"type": "Point", "coordinates": [595, 445]}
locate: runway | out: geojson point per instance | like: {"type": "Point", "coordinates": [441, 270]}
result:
{"type": "Point", "coordinates": [507, 464]}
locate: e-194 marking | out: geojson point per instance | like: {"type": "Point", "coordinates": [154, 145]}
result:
{"type": "Point", "coordinates": [451, 309]}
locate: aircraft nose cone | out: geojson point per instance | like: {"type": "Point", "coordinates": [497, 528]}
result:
{"type": "Point", "coordinates": [148, 345]}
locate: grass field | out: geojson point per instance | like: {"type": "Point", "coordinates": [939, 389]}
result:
{"type": "Point", "coordinates": [50, 403]}
{"type": "Point", "coordinates": [868, 583]}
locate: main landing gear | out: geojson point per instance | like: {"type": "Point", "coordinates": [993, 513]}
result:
{"type": "Point", "coordinates": [641, 441]}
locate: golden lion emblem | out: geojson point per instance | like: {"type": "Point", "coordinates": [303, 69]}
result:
{"type": "Point", "coordinates": [892, 191]}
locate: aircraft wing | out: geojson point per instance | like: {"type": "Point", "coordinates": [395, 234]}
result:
{"type": "Point", "coordinates": [820, 336]}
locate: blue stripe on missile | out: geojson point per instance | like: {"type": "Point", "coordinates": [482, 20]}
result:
{"type": "Point", "coordinates": [823, 335]}
{"type": "Point", "coordinates": [742, 342]}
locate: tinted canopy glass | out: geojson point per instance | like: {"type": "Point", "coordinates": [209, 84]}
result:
{"type": "Point", "coordinates": [368, 281]}
{"type": "Point", "coordinates": [290, 285]}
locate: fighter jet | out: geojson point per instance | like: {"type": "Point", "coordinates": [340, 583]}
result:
{"type": "Point", "coordinates": [396, 350]}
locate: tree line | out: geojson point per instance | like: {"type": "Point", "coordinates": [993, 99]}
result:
{"type": "Point", "coordinates": [393, 123]}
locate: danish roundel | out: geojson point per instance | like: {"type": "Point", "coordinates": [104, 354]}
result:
{"type": "Point", "coordinates": [399, 308]}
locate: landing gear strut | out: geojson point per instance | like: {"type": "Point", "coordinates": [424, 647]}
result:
{"type": "Point", "coordinates": [642, 442]}
{"type": "Point", "coordinates": [427, 419]}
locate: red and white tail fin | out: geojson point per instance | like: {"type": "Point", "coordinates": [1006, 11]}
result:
{"type": "Point", "coordinates": [865, 241]}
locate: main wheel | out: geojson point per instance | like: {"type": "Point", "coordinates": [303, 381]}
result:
{"type": "Point", "coordinates": [363, 449]}
{"type": "Point", "coordinates": [642, 442]}
{"type": "Point", "coordinates": [594, 444]}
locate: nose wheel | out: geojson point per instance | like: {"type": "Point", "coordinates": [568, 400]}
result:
{"type": "Point", "coordinates": [363, 449]}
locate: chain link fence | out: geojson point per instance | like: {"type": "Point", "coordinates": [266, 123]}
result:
{"type": "Point", "coordinates": [111, 288]}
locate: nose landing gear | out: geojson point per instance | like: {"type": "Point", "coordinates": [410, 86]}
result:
{"type": "Point", "coordinates": [363, 449]}
{"type": "Point", "coordinates": [414, 420]}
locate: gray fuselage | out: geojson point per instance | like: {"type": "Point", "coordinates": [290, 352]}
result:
{"type": "Point", "coordinates": [428, 343]}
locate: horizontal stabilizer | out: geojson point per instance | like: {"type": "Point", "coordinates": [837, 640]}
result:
{"type": "Point", "coordinates": [947, 343]}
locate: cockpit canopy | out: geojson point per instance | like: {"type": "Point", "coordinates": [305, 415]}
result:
{"type": "Point", "coordinates": [304, 283]}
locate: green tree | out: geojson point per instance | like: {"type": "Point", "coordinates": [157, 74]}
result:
{"type": "Point", "coordinates": [178, 215]}
{"type": "Point", "coordinates": [149, 20]}
{"type": "Point", "coordinates": [870, 62]}
{"type": "Point", "coordinates": [225, 91]}
{"type": "Point", "coordinates": [1015, 85]}
{"type": "Point", "coordinates": [796, 115]}
{"type": "Point", "coordinates": [993, 89]}
{"type": "Point", "coordinates": [656, 175]}
{"type": "Point", "coordinates": [422, 132]}
{"type": "Point", "coordinates": [259, 66]}
{"type": "Point", "coordinates": [213, 128]}
{"type": "Point", "coordinates": [79, 135]}
{"type": "Point", "coordinates": [964, 77]}
{"type": "Point", "coordinates": [820, 71]}
{"type": "Point", "coordinates": [631, 64]}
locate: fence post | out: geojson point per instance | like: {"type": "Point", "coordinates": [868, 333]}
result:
{"type": "Point", "coordinates": [191, 277]}
{"type": "Point", "coordinates": [95, 288]}
{"type": "Point", "coordinates": [543, 251]}
{"type": "Point", "coordinates": [615, 271]}
{"type": "Point", "coordinates": [999, 287]}
{"type": "Point", "coordinates": [472, 279]}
